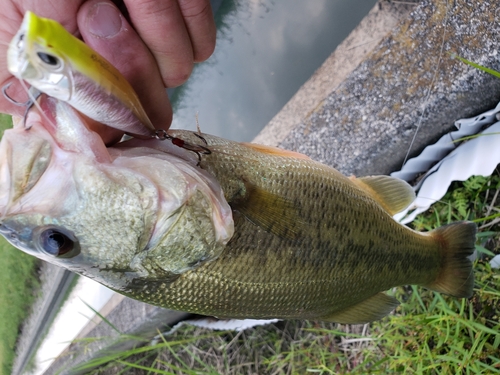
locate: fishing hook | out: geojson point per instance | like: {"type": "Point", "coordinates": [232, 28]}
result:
{"type": "Point", "coordinates": [33, 94]}
{"type": "Point", "coordinates": [202, 138]}
{"type": "Point", "coordinates": [29, 102]}
{"type": "Point", "coordinates": [197, 149]}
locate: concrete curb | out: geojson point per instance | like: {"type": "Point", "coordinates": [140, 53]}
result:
{"type": "Point", "coordinates": [336, 68]}
{"type": "Point", "coordinates": [129, 317]}
{"type": "Point", "coordinates": [45, 310]}
{"type": "Point", "coordinates": [409, 81]}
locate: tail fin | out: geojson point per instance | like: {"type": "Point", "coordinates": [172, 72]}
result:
{"type": "Point", "coordinates": [457, 243]}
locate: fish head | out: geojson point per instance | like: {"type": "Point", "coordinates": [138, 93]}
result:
{"type": "Point", "coordinates": [49, 167]}
{"type": "Point", "coordinates": [31, 57]}
{"type": "Point", "coordinates": [116, 216]}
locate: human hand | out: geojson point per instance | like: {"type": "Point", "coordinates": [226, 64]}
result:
{"type": "Point", "coordinates": [159, 51]}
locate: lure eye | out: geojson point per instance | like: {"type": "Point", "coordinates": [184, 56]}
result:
{"type": "Point", "coordinates": [48, 59]}
{"type": "Point", "coordinates": [58, 242]}
{"type": "Point", "coordinates": [20, 41]}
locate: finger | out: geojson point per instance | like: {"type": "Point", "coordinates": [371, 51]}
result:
{"type": "Point", "coordinates": [200, 24]}
{"type": "Point", "coordinates": [161, 26]}
{"type": "Point", "coordinates": [104, 28]}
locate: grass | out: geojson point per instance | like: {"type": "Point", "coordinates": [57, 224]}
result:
{"type": "Point", "coordinates": [429, 333]}
{"type": "Point", "coordinates": [5, 122]}
{"type": "Point", "coordinates": [477, 66]}
{"type": "Point", "coordinates": [18, 280]}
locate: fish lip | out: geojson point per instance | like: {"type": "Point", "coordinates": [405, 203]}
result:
{"type": "Point", "coordinates": [47, 109]}
{"type": "Point", "coordinates": [5, 178]}
{"type": "Point", "coordinates": [4, 230]}
{"type": "Point", "coordinates": [23, 161]}
{"type": "Point", "coordinates": [20, 238]}
{"type": "Point", "coordinates": [10, 235]}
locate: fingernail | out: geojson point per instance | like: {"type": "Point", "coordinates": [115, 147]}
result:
{"type": "Point", "coordinates": [104, 20]}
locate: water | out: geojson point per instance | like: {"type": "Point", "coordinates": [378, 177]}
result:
{"type": "Point", "coordinates": [265, 52]}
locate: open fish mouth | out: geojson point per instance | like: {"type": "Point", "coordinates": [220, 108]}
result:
{"type": "Point", "coordinates": [26, 153]}
{"type": "Point", "coordinates": [21, 167]}
{"type": "Point", "coordinates": [60, 186]}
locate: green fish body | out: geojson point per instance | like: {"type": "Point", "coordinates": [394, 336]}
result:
{"type": "Point", "coordinates": [310, 243]}
{"type": "Point", "coordinates": [247, 232]}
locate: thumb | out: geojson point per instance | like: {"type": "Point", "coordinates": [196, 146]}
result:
{"type": "Point", "coordinates": [106, 30]}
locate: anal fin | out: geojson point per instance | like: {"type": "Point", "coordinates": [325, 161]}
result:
{"type": "Point", "coordinates": [373, 308]}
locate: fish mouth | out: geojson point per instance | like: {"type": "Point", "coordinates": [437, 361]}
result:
{"type": "Point", "coordinates": [4, 230]}
{"type": "Point", "coordinates": [9, 234]}
{"type": "Point", "coordinates": [24, 158]}
{"type": "Point", "coordinates": [43, 147]}
{"type": "Point", "coordinates": [15, 238]}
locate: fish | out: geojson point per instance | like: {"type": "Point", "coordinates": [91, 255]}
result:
{"type": "Point", "coordinates": [53, 61]}
{"type": "Point", "coordinates": [245, 231]}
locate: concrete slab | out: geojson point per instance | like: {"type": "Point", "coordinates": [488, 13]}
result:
{"type": "Point", "coordinates": [43, 312]}
{"type": "Point", "coordinates": [409, 82]}
{"type": "Point", "coordinates": [347, 56]}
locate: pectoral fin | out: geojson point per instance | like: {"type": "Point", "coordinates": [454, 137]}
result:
{"type": "Point", "coordinates": [271, 212]}
{"type": "Point", "coordinates": [373, 308]}
{"type": "Point", "coordinates": [393, 194]}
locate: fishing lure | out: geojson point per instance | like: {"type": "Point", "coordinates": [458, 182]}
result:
{"type": "Point", "coordinates": [60, 65]}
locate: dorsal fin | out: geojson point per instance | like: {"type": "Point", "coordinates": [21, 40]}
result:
{"type": "Point", "coordinates": [270, 150]}
{"type": "Point", "coordinates": [393, 194]}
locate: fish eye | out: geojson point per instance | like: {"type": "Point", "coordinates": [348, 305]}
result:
{"type": "Point", "coordinates": [57, 242]}
{"type": "Point", "coordinates": [48, 59]}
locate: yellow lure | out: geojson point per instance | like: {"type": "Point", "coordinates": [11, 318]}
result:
{"type": "Point", "coordinates": [58, 64]}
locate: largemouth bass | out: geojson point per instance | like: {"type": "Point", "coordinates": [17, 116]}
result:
{"type": "Point", "coordinates": [250, 232]}
{"type": "Point", "coordinates": [58, 64]}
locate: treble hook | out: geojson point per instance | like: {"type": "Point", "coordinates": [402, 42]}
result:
{"type": "Point", "coordinates": [33, 94]}
{"type": "Point", "coordinates": [197, 149]}
{"type": "Point", "coordinates": [13, 101]}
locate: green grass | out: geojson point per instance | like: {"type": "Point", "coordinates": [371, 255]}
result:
{"type": "Point", "coordinates": [5, 122]}
{"type": "Point", "coordinates": [18, 280]}
{"type": "Point", "coordinates": [429, 333]}
{"type": "Point", "coordinates": [477, 66]}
